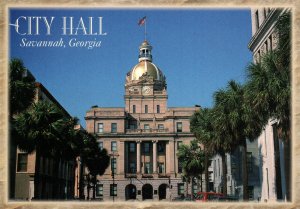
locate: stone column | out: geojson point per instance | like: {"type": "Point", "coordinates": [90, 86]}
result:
{"type": "Point", "coordinates": [167, 166]}
{"type": "Point", "coordinates": [172, 156]}
{"type": "Point", "coordinates": [138, 157]}
{"type": "Point", "coordinates": [120, 158]}
{"type": "Point", "coordinates": [154, 156]}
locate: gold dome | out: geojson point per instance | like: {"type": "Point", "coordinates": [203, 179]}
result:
{"type": "Point", "coordinates": [143, 67]}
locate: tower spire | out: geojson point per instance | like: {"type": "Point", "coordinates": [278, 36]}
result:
{"type": "Point", "coordinates": [145, 52]}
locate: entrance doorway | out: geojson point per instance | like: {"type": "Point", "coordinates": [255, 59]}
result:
{"type": "Point", "coordinates": [130, 192]}
{"type": "Point", "coordinates": [147, 191]}
{"type": "Point", "coordinates": [162, 191]}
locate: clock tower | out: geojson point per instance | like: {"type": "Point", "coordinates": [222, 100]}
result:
{"type": "Point", "coordinates": [145, 87]}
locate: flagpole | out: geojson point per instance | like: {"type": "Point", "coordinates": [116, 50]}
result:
{"type": "Point", "coordinates": [145, 29]}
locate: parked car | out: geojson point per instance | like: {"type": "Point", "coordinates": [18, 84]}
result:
{"type": "Point", "coordinates": [208, 196]}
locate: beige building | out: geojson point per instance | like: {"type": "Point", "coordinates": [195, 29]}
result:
{"type": "Point", "coordinates": [142, 138]}
{"type": "Point", "coordinates": [274, 176]}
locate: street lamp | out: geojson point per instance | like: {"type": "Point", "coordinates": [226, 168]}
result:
{"type": "Point", "coordinates": [113, 172]}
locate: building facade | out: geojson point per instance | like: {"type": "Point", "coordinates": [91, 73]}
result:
{"type": "Point", "coordinates": [235, 173]}
{"type": "Point", "coordinates": [142, 138]}
{"type": "Point", "coordinates": [41, 177]}
{"type": "Point", "coordinates": [274, 176]}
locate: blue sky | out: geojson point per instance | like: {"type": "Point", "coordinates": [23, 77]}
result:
{"type": "Point", "coordinates": [198, 50]}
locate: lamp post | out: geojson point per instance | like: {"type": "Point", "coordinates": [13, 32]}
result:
{"type": "Point", "coordinates": [113, 155]}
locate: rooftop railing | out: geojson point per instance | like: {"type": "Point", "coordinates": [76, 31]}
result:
{"type": "Point", "coordinates": [151, 130]}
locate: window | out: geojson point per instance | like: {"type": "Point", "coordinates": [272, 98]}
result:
{"type": "Point", "coordinates": [157, 108]}
{"type": "Point", "coordinates": [132, 125]}
{"type": "Point", "coordinates": [113, 190]}
{"type": "Point", "coordinates": [113, 146]}
{"type": "Point", "coordinates": [161, 126]}
{"type": "Point", "coordinates": [100, 127]}
{"type": "Point", "coordinates": [146, 147]}
{"type": "Point", "coordinates": [146, 126]}
{"type": "Point", "coordinates": [22, 162]}
{"type": "Point", "coordinates": [266, 46]}
{"type": "Point", "coordinates": [147, 168]}
{"type": "Point", "coordinates": [132, 167]}
{"type": "Point", "coordinates": [113, 165]}
{"type": "Point", "coordinates": [270, 39]}
{"type": "Point", "coordinates": [179, 143]}
{"type": "Point", "coordinates": [180, 169]}
{"type": "Point", "coordinates": [114, 128]}
{"type": "Point", "coordinates": [99, 190]}
{"type": "Point", "coordinates": [179, 126]}
{"type": "Point", "coordinates": [210, 174]}
{"type": "Point", "coordinates": [146, 108]}
{"type": "Point", "coordinates": [133, 108]}
{"type": "Point", "coordinates": [258, 56]}
{"type": "Point", "coordinates": [160, 147]}
{"type": "Point", "coordinates": [100, 145]}
{"type": "Point", "coordinates": [251, 192]}
{"type": "Point", "coordinates": [131, 147]}
{"type": "Point", "coordinates": [161, 167]}
{"type": "Point", "coordinates": [249, 162]}
{"type": "Point", "coordinates": [180, 189]}
{"type": "Point", "coordinates": [256, 19]}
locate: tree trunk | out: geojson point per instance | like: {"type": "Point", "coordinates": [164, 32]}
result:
{"type": "Point", "coordinates": [224, 168]}
{"type": "Point", "coordinates": [201, 183]}
{"type": "Point", "coordinates": [88, 188]}
{"type": "Point", "coordinates": [94, 187]}
{"type": "Point", "coordinates": [192, 189]}
{"type": "Point", "coordinates": [287, 163]}
{"type": "Point", "coordinates": [187, 188]}
{"type": "Point", "coordinates": [245, 170]}
{"type": "Point", "coordinates": [81, 181]}
{"type": "Point", "coordinates": [206, 171]}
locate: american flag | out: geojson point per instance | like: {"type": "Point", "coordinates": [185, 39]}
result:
{"type": "Point", "coordinates": [142, 21]}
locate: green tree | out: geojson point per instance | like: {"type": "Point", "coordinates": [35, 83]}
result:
{"type": "Point", "coordinates": [236, 122]}
{"type": "Point", "coordinates": [209, 128]}
{"type": "Point", "coordinates": [95, 159]}
{"type": "Point", "coordinates": [21, 87]}
{"type": "Point", "coordinates": [39, 129]}
{"type": "Point", "coordinates": [269, 87]}
{"type": "Point", "coordinates": [192, 158]}
{"type": "Point", "coordinates": [21, 95]}
{"type": "Point", "coordinates": [201, 126]}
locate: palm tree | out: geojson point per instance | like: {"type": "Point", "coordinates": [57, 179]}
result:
{"type": "Point", "coordinates": [236, 122]}
{"type": "Point", "coordinates": [21, 86]}
{"type": "Point", "coordinates": [95, 159]}
{"type": "Point", "coordinates": [269, 87]}
{"type": "Point", "coordinates": [192, 158]}
{"type": "Point", "coordinates": [201, 126]}
{"type": "Point", "coordinates": [21, 90]}
{"type": "Point", "coordinates": [207, 125]}
{"type": "Point", "coordinates": [39, 128]}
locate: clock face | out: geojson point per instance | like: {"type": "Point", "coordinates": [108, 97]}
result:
{"type": "Point", "coordinates": [146, 90]}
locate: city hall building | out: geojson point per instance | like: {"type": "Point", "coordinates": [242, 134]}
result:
{"type": "Point", "coordinates": [142, 138]}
